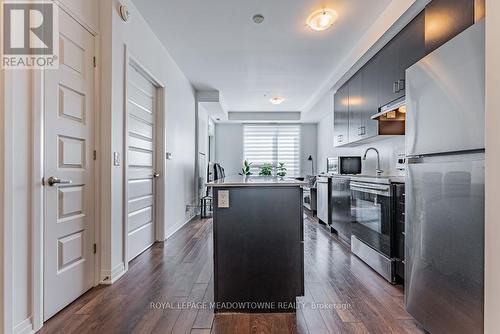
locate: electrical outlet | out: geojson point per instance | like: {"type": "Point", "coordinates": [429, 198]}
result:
{"type": "Point", "coordinates": [223, 199]}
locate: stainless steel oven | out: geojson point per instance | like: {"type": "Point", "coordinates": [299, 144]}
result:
{"type": "Point", "coordinates": [372, 225]}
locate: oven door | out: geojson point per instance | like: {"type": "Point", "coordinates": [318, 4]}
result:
{"type": "Point", "coordinates": [371, 211]}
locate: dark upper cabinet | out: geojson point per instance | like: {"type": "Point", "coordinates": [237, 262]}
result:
{"type": "Point", "coordinates": [341, 116]}
{"type": "Point", "coordinates": [390, 72]}
{"type": "Point", "coordinates": [382, 79]}
{"type": "Point", "coordinates": [412, 44]}
{"type": "Point", "coordinates": [355, 105]}
{"type": "Point", "coordinates": [369, 98]}
{"type": "Point", "coordinates": [444, 19]}
{"type": "Point", "coordinates": [401, 52]}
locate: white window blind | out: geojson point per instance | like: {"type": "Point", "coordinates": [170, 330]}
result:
{"type": "Point", "coordinates": [272, 144]}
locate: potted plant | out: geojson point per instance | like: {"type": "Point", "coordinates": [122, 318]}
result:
{"type": "Point", "coordinates": [281, 170]}
{"type": "Point", "coordinates": [246, 168]}
{"type": "Point", "coordinates": [266, 170]}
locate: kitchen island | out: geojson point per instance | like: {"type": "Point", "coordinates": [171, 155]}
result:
{"type": "Point", "coordinates": [258, 244]}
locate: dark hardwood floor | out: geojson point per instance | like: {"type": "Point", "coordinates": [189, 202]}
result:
{"type": "Point", "coordinates": [168, 289]}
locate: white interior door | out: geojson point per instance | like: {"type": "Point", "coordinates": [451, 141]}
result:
{"type": "Point", "coordinates": [69, 165]}
{"type": "Point", "coordinates": [141, 138]}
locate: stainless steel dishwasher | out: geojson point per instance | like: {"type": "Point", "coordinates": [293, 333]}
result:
{"type": "Point", "coordinates": [324, 185]}
{"type": "Point", "coordinates": [341, 207]}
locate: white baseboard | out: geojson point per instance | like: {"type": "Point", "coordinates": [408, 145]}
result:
{"type": "Point", "coordinates": [181, 225]}
{"type": "Point", "coordinates": [110, 277]}
{"type": "Point", "coordinates": [24, 327]}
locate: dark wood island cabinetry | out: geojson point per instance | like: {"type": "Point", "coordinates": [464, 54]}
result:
{"type": "Point", "coordinates": [258, 244]}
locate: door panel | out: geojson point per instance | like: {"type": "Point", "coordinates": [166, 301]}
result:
{"type": "Point", "coordinates": [445, 97]}
{"type": "Point", "coordinates": [412, 46]}
{"type": "Point", "coordinates": [140, 163]}
{"type": "Point", "coordinates": [69, 209]}
{"type": "Point", "coordinates": [445, 243]}
{"type": "Point", "coordinates": [389, 74]}
{"type": "Point", "coordinates": [341, 116]}
{"type": "Point", "coordinates": [370, 102]}
{"type": "Point", "coordinates": [355, 105]}
{"type": "Point", "coordinates": [444, 19]}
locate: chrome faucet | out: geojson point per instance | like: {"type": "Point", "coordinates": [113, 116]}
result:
{"type": "Point", "coordinates": [379, 171]}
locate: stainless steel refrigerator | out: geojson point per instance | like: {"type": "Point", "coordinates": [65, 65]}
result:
{"type": "Point", "coordinates": [445, 186]}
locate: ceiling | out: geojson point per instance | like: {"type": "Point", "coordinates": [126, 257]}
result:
{"type": "Point", "coordinates": [218, 46]}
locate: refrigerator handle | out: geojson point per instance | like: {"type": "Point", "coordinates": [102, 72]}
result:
{"type": "Point", "coordinates": [414, 160]}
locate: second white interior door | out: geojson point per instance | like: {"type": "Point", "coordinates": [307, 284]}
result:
{"type": "Point", "coordinates": [141, 174]}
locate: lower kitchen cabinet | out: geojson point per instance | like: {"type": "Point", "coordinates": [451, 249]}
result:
{"type": "Point", "coordinates": [399, 230]}
{"type": "Point", "coordinates": [341, 207]}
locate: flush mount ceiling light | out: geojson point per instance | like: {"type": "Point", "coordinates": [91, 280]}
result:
{"type": "Point", "coordinates": [277, 100]}
{"type": "Point", "coordinates": [321, 19]}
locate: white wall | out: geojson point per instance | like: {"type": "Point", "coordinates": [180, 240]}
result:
{"type": "Point", "coordinates": [389, 148]}
{"type": "Point", "coordinates": [179, 175]}
{"type": "Point", "coordinates": [308, 147]}
{"type": "Point", "coordinates": [229, 147]}
{"type": "Point", "coordinates": [17, 120]}
{"type": "Point", "coordinates": [202, 148]}
{"type": "Point", "coordinates": [16, 222]}
{"type": "Point", "coordinates": [492, 232]}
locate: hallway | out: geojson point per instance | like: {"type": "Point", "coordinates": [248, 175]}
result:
{"type": "Point", "coordinates": [168, 289]}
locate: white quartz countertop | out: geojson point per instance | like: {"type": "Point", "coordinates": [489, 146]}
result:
{"type": "Point", "coordinates": [251, 181]}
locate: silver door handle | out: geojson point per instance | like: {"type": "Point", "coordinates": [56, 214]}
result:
{"type": "Point", "coordinates": [53, 180]}
{"type": "Point", "coordinates": [156, 175]}
{"type": "Point", "coordinates": [401, 85]}
{"type": "Point", "coordinates": [395, 87]}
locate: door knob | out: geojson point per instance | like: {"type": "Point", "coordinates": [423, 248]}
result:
{"type": "Point", "coordinates": [156, 175]}
{"type": "Point", "coordinates": [53, 180]}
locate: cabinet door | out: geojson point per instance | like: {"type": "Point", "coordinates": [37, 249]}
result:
{"type": "Point", "coordinates": [389, 72]}
{"type": "Point", "coordinates": [341, 116]}
{"type": "Point", "coordinates": [369, 92]}
{"type": "Point", "coordinates": [412, 48]}
{"type": "Point", "coordinates": [444, 19]}
{"type": "Point", "coordinates": [355, 106]}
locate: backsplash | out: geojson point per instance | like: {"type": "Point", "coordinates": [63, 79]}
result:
{"type": "Point", "coordinates": [389, 149]}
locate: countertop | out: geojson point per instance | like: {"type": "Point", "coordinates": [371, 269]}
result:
{"type": "Point", "coordinates": [383, 179]}
{"type": "Point", "coordinates": [252, 181]}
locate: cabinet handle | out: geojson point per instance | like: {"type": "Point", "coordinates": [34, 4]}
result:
{"type": "Point", "coordinates": [401, 85]}
{"type": "Point", "coordinates": [395, 87]}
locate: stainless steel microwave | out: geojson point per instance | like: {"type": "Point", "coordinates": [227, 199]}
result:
{"type": "Point", "coordinates": [344, 165]}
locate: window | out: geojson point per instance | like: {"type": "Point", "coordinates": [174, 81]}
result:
{"type": "Point", "coordinates": [272, 144]}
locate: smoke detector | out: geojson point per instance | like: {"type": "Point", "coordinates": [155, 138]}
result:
{"type": "Point", "coordinates": [258, 18]}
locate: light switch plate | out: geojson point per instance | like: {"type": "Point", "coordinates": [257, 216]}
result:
{"type": "Point", "coordinates": [223, 199]}
{"type": "Point", "coordinates": [116, 159]}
